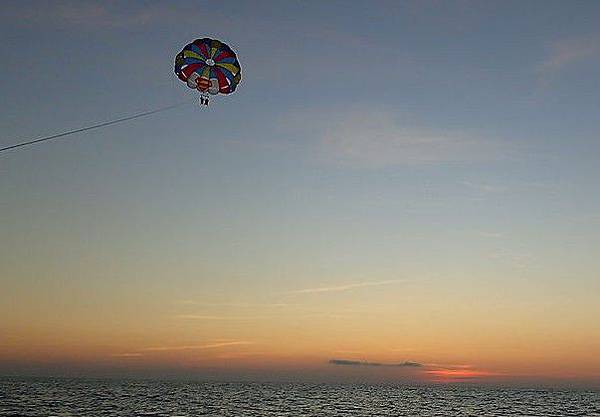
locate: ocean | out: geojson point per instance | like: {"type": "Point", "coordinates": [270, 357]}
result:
{"type": "Point", "coordinates": [90, 398]}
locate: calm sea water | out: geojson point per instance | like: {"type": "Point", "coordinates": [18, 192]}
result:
{"type": "Point", "coordinates": [79, 397]}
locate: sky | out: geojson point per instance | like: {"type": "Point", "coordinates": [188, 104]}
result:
{"type": "Point", "coordinates": [398, 191]}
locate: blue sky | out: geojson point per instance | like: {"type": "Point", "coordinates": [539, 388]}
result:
{"type": "Point", "coordinates": [453, 144]}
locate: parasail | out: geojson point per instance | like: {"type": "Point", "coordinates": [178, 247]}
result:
{"type": "Point", "coordinates": [210, 66]}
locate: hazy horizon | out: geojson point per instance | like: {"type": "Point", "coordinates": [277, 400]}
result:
{"type": "Point", "coordinates": [397, 191]}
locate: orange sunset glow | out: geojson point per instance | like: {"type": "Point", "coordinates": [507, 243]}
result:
{"type": "Point", "coordinates": [384, 192]}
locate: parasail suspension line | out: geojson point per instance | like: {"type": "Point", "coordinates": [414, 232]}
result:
{"type": "Point", "coordinates": [92, 127]}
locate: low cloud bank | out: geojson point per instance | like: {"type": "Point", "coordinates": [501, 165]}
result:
{"type": "Point", "coordinates": [346, 362]}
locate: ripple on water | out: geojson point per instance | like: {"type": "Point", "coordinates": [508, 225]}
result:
{"type": "Point", "coordinates": [103, 398]}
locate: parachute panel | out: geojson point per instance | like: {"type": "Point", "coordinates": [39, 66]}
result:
{"type": "Point", "coordinates": [208, 65]}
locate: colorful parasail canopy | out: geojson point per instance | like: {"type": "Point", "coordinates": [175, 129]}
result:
{"type": "Point", "coordinates": [208, 65]}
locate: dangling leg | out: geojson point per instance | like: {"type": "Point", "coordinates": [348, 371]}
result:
{"type": "Point", "coordinates": [203, 100]}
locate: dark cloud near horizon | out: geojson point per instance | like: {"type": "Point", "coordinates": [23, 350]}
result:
{"type": "Point", "coordinates": [346, 362]}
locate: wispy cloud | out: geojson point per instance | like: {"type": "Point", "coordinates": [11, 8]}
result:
{"type": "Point", "coordinates": [72, 12]}
{"type": "Point", "coordinates": [214, 345]}
{"type": "Point", "coordinates": [127, 355]}
{"type": "Point", "coordinates": [209, 317]}
{"type": "Point", "coordinates": [346, 287]}
{"type": "Point", "coordinates": [378, 138]}
{"type": "Point", "coordinates": [565, 53]}
{"type": "Point", "coordinates": [195, 302]}
{"type": "Point", "coordinates": [100, 14]}
{"type": "Point", "coordinates": [346, 362]}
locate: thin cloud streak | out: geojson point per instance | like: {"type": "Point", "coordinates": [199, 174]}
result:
{"type": "Point", "coordinates": [102, 15]}
{"type": "Point", "coordinates": [346, 362]}
{"type": "Point", "coordinates": [126, 355]}
{"type": "Point", "coordinates": [568, 52]}
{"type": "Point", "coordinates": [381, 137]}
{"type": "Point", "coordinates": [205, 317]}
{"type": "Point", "coordinates": [216, 344]}
{"type": "Point", "coordinates": [196, 347]}
{"type": "Point", "coordinates": [193, 302]}
{"type": "Point", "coordinates": [346, 287]}
{"type": "Point", "coordinates": [377, 139]}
